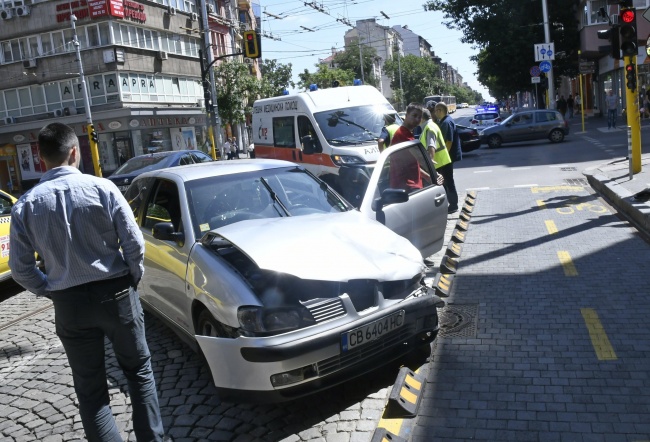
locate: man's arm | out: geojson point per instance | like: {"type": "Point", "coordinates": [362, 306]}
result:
{"type": "Point", "coordinates": [22, 260]}
{"type": "Point", "coordinates": [130, 236]}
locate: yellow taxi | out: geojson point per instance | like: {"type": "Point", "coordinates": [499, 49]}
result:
{"type": "Point", "coordinates": [6, 203]}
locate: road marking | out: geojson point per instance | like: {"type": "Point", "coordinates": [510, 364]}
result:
{"type": "Point", "coordinates": [546, 189]}
{"type": "Point", "coordinates": [560, 165]}
{"type": "Point", "coordinates": [551, 227]}
{"type": "Point", "coordinates": [599, 339]}
{"type": "Point", "coordinates": [482, 171]}
{"type": "Point", "coordinates": [541, 204]}
{"type": "Point", "coordinates": [520, 168]}
{"type": "Point", "coordinates": [478, 188]}
{"type": "Point", "coordinates": [526, 185]}
{"type": "Point", "coordinates": [567, 263]}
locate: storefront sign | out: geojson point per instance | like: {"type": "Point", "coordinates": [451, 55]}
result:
{"type": "Point", "coordinates": [18, 138]}
{"type": "Point", "coordinates": [134, 11]}
{"type": "Point", "coordinates": [97, 8]}
{"type": "Point", "coordinates": [134, 123]}
{"type": "Point", "coordinates": [8, 150]}
{"type": "Point", "coordinates": [78, 8]}
{"type": "Point", "coordinates": [116, 8]}
{"type": "Point", "coordinates": [167, 121]}
{"type": "Point", "coordinates": [114, 125]}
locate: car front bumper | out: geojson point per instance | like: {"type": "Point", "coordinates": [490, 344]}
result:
{"type": "Point", "coordinates": [243, 367]}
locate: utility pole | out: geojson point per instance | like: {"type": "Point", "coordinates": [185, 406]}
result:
{"type": "Point", "coordinates": [212, 111]}
{"type": "Point", "coordinates": [90, 128]}
{"type": "Point", "coordinates": [549, 74]}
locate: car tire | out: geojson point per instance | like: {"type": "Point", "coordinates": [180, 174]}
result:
{"type": "Point", "coordinates": [208, 326]}
{"type": "Point", "coordinates": [494, 141]}
{"type": "Point", "coordinates": [556, 136]}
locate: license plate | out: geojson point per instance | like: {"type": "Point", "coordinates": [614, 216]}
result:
{"type": "Point", "coordinates": [122, 188]}
{"type": "Point", "coordinates": [369, 332]}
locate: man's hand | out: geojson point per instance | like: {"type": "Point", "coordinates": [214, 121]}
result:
{"type": "Point", "coordinates": [440, 180]}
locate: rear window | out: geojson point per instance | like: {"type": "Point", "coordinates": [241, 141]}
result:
{"type": "Point", "coordinates": [486, 116]}
{"type": "Point", "coordinates": [139, 163]}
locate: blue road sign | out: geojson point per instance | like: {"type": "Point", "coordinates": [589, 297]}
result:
{"type": "Point", "coordinates": [534, 71]}
{"type": "Point", "coordinates": [545, 66]}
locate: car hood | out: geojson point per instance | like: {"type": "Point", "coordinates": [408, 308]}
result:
{"type": "Point", "coordinates": [327, 247]}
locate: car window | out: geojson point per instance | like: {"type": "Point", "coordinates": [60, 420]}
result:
{"type": "Point", "coordinates": [486, 116]}
{"type": "Point", "coordinates": [141, 164]}
{"type": "Point", "coordinates": [524, 118]}
{"type": "Point", "coordinates": [163, 206]}
{"type": "Point", "coordinates": [136, 194]}
{"type": "Point", "coordinates": [186, 159]}
{"type": "Point", "coordinates": [406, 169]}
{"type": "Point", "coordinates": [5, 205]}
{"type": "Point", "coordinates": [542, 117]}
{"type": "Point", "coordinates": [353, 125]}
{"type": "Point", "coordinates": [283, 133]}
{"type": "Point", "coordinates": [200, 157]}
{"type": "Point", "coordinates": [306, 129]}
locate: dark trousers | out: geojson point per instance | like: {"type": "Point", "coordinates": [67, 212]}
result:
{"type": "Point", "coordinates": [447, 172]}
{"type": "Point", "coordinates": [84, 315]}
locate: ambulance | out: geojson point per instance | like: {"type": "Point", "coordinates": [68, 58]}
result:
{"type": "Point", "coordinates": [331, 132]}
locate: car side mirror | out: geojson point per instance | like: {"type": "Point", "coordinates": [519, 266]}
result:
{"type": "Point", "coordinates": [390, 196]}
{"type": "Point", "coordinates": [165, 232]}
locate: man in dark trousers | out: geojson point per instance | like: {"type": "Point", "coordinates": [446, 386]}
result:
{"type": "Point", "coordinates": [93, 250]}
{"type": "Point", "coordinates": [452, 140]}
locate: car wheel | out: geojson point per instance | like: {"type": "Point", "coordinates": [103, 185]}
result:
{"type": "Point", "coordinates": [556, 135]}
{"type": "Point", "coordinates": [494, 141]}
{"type": "Point", "coordinates": [208, 326]}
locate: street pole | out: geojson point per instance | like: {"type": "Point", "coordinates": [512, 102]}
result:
{"type": "Point", "coordinates": [582, 113]}
{"type": "Point", "coordinates": [549, 74]}
{"type": "Point", "coordinates": [213, 117]}
{"type": "Point", "coordinates": [633, 119]}
{"type": "Point", "coordinates": [90, 128]}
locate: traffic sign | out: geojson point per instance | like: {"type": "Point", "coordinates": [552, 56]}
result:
{"type": "Point", "coordinates": [545, 66]}
{"type": "Point", "coordinates": [534, 71]}
{"type": "Point", "coordinates": [545, 51]}
{"type": "Point", "coordinates": [535, 79]}
{"type": "Point", "coordinates": [587, 67]}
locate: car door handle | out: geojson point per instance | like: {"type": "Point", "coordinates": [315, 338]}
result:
{"type": "Point", "coordinates": [440, 199]}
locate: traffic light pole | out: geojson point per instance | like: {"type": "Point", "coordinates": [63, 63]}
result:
{"type": "Point", "coordinates": [549, 74]}
{"type": "Point", "coordinates": [633, 118]}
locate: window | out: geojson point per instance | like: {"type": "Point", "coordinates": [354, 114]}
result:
{"type": "Point", "coordinates": [594, 7]}
{"type": "Point", "coordinates": [407, 169]}
{"type": "Point", "coordinates": [283, 132]}
{"type": "Point", "coordinates": [93, 36]}
{"type": "Point", "coordinates": [521, 119]}
{"type": "Point", "coordinates": [46, 43]}
{"type": "Point", "coordinates": [546, 116]}
{"type": "Point", "coordinates": [164, 206]}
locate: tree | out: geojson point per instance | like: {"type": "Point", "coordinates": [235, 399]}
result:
{"type": "Point", "coordinates": [505, 33]}
{"type": "Point", "coordinates": [236, 90]}
{"type": "Point", "coordinates": [420, 77]}
{"type": "Point", "coordinates": [348, 59]}
{"type": "Point", "coordinates": [276, 77]}
{"type": "Point", "coordinates": [325, 76]}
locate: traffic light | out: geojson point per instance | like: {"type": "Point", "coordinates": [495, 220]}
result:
{"type": "Point", "coordinates": [93, 134]}
{"type": "Point", "coordinates": [252, 45]}
{"type": "Point", "coordinates": [630, 76]}
{"type": "Point", "coordinates": [629, 41]}
{"type": "Point", "coordinates": [207, 95]}
{"type": "Point", "coordinates": [612, 35]}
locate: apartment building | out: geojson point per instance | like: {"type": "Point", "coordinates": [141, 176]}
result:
{"type": "Point", "coordinates": [142, 75]}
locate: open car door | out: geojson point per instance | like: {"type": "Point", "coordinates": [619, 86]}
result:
{"type": "Point", "coordinates": [403, 195]}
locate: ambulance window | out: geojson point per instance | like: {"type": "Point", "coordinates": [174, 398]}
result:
{"type": "Point", "coordinates": [306, 129]}
{"type": "Point", "coordinates": [283, 132]}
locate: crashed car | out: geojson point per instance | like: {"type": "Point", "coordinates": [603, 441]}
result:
{"type": "Point", "coordinates": [281, 283]}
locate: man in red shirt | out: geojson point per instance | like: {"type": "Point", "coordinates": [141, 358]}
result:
{"type": "Point", "coordinates": [404, 168]}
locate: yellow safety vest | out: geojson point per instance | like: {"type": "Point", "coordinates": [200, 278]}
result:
{"type": "Point", "coordinates": [441, 156]}
{"type": "Point", "coordinates": [391, 129]}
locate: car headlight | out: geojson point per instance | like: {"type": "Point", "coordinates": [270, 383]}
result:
{"type": "Point", "coordinates": [268, 321]}
{"type": "Point", "coordinates": [346, 160]}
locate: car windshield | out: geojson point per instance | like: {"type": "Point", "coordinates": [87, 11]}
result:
{"type": "Point", "coordinates": [355, 125]}
{"type": "Point", "coordinates": [142, 164]}
{"type": "Point", "coordinates": [226, 199]}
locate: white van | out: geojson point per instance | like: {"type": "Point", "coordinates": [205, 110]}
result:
{"type": "Point", "coordinates": [332, 132]}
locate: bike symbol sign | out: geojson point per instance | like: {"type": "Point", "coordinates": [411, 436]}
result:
{"type": "Point", "coordinates": [545, 66]}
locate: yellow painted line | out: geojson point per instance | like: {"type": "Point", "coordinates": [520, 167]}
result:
{"type": "Point", "coordinates": [599, 339]}
{"type": "Point", "coordinates": [541, 204]}
{"type": "Point", "coordinates": [544, 189]}
{"type": "Point", "coordinates": [550, 226]}
{"type": "Point", "coordinates": [567, 263]}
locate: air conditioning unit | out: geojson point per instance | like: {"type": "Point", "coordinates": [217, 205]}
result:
{"type": "Point", "coordinates": [9, 120]}
{"type": "Point", "coordinates": [171, 10]}
{"type": "Point", "coordinates": [67, 111]}
{"type": "Point", "coordinates": [58, 112]}
{"type": "Point", "coordinates": [162, 55]}
{"type": "Point", "coordinates": [6, 14]}
{"type": "Point", "coordinates": [22, 11]}
{"type": "Point", "coordinates": [194, 16]}
{"type": "Point", "coordinates": [211, 9]}
{"type": "Point", "coordinates": [30, 64]}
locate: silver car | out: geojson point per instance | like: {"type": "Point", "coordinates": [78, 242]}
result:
{"type": "Point", "coordinates": [281, 283]}
{"type": "Point", "coordinates": [527, 125]}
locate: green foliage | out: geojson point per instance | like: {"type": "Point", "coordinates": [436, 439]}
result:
{"type": "Point", "coordinates": [349, 60]}
{"type": "Point", "coordinates": [324, 77]}
{"type": "Point", "coordinates": [420, 77]}
{"type": "Point", "coordinates": [505, 33]}
{"type": "Point", "coordinates": [276, 77]}
{"type": "Point", "coordinates": [236, 90]}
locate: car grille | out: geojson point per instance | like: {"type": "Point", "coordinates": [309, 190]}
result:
{"type": "Point", "coordinates": [345, 360]}
{"type": "Point", "coordinates": [325, 309]}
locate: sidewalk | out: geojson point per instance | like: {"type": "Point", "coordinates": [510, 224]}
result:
{"type": "Point", "coordinates": [612, 181]}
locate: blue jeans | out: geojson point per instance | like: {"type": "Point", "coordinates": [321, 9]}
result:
{"type": "Point", "coordinates": [611, 118]}
{"type": "Point", "coordinates": [84, 315]}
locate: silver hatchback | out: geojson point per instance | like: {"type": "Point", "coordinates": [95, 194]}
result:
{"type": "Point", "coordinates": [527, 125]}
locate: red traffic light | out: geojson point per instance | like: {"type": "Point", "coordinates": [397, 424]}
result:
{"type": "Point", "coordinates": [628, 15]}
{"type": "Point", "coordinates": [629, 68]}
{"type": "Point", "coordinates": [250, 37]}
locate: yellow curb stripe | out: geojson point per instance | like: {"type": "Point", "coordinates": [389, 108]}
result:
{"type": "Point", "coordinates": [541, 204]}
{"type": "Point", "coordinates": [551, 227]}
{"type": "Point", "coordinates": [599, 339]}
{"type": "Point", "coordinates": [567, 263]}
{"type": "Point", "coordinates": [393, 425]}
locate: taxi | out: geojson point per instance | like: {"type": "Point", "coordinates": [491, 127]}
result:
{"type": "Point", "coordinates": [6, 203]}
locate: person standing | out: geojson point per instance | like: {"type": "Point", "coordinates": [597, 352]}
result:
{"type": "Point", "coordinates": [225, 150]}
{"type": "Point", "coordinates": [611, 101]}
{"type": "Point", "coordinates": [387, 132]}
{"type": "Point", "coordinates": [562, 106]}
{"type": "Point", "coordinates": [85, 231]}
{"type": "Point", "coordinates": [569, 105]}
{"type": "Point", "coordinates": [452, 141]}
{"type": "Point", "coordinates": [434, 141]}
{"type": "Point", "coordinates": [578, 103]}
{"type": "Point", "coordinates": [234, 149]}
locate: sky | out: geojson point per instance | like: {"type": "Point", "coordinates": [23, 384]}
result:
{"type": "Point", "coordinates": [303, 48]}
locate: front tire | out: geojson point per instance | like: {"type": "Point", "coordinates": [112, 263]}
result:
{"type": "Point", "coordinates": [556, 136]}
{"type": "Point", "coordinates": [494, 141]}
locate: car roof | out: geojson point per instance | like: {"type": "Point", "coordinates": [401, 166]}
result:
{"type": "Point", "coordinates": [166, 153]}
{"type": "Point", "coordinates": [202, 170]}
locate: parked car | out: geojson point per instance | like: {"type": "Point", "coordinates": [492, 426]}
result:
{"type": "Point", "coordinates": [463, 105]}
{"type": "Point", "coordinates": [484, 118]}
{"type": "Point", "coordinates": [6, 203]}
{"type": "Point", "coordinates": [527, 125]}
{"type": "Point", "coordinates": [470, 139]}
{"type": "Point", "coordinates": [283, 285]}
{"type": "Point", "coordinates": [124, 175]}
